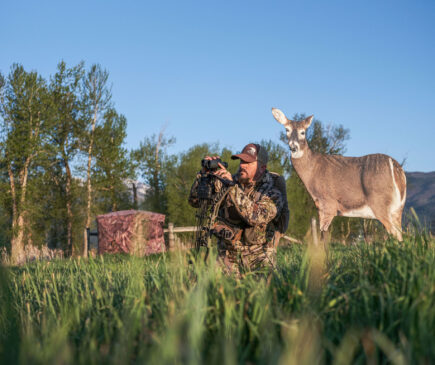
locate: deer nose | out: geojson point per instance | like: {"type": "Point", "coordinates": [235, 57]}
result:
{"type": "Point", "coordinates": [293, 146]}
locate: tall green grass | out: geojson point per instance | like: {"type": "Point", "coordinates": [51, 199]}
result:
{"type": "Point", "coordinates": [358, 304]}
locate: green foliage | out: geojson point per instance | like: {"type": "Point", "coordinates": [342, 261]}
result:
{"type": "Point", "coordinates": [279, 158]}
{"type": "Point", "coordinates": [301, 207]}
{"type": "Point", "coordinates": [154, 164]}
{"type": "Point", "coordinates": [113, 165]}
{"type": "Point", "coordinates": [96, 102]}
{"type": "Point", "coordinates": [25, 122]}
{"type": "Point", "coordinates": [65, 141]}
{"type": "Point", "coordinates": [97, 94]}
{"type": "Point", "coordinates": [24, 111]}
{"type": "Point", "coordinates": [376, 304]}
{"type": "Point", "coordinates": [44, 126]}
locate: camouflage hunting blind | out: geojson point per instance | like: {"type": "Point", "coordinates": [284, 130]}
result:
{"type": "Point", "coordinates": [131, 231]}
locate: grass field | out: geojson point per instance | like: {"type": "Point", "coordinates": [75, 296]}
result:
{"type": "Point", "coordinates": [355, 304]}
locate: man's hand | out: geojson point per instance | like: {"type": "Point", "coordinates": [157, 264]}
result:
{"type": "Point", "coordinates": [222, 172]}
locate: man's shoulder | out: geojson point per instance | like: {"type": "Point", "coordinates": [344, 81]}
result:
{"type": "Point", "coordinates": [278, 181]}
{"type": "Point", "coordinates": [269, 180]}
{"type": "Point", "coordinates": [273, 185]}
{"type": "Point", "coordinates": [266, 184]}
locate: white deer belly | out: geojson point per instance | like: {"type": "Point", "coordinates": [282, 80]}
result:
{"type": "Point", "coordinates": [363, 212]}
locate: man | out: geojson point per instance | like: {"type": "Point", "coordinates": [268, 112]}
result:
{"type": "Point", "coordinates": [249, 217]}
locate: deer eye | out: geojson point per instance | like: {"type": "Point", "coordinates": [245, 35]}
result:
{"type": "Point", "coordinates": [303, 133]}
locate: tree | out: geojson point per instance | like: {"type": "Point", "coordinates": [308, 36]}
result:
{"type": "Point", "coordinates": [43, 127]}
{"type": "Point", "coordinates": [64, 91]}
{"type": "Point", "coordinates": [4, 183]}
{"type": "Point", "coordinates": [153, 162]}
{"type": "Point", "coordinates": [24, 109]}
{"type": "Point", "coordinates": [112, 164]}
{"type": "Point", "coordinates": [96, 101]}
{"type": "Point", "coordinates": [279, 158]}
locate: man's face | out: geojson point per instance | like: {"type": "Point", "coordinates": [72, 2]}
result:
{"type": "Point", "coordinates": [248, 171]}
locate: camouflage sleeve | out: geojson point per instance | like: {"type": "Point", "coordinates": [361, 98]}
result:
{"type": "Point", "coordinates": [257, 212]}
{"type": "Point", "coordinates": [193, 196]}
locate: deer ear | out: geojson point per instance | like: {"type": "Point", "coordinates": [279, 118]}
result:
{"type": "Point", "coordinates": [307, 121]}
{"type": "Point", "coordinates": [280, 117]}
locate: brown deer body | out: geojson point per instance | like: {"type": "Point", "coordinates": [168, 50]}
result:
{"type": "Point", "coordinates": [372, 186]}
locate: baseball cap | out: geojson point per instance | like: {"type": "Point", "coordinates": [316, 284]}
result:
{"type": "Point", "coordinates": [252, 152]}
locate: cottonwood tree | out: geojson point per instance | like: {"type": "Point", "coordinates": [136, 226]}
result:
{"type": "Point", "coordinates": [153, 163]}
{"type": "Point", "coordinates": [24, 126]}
{"type": "Point", "coordinates": [279, 158]}
{"type": "Point", "coordinates": [112, 164]}
{"type": "Point", "coordinates": [96, 101]}
{"type": "Point", "coordinates": [67, 126]}
{"type": "Point", "coordinates": [4, 182]}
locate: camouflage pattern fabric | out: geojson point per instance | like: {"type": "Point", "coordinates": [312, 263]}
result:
{"type": "Point", "coordinates": [193, 196]}
{"type": "Point", "coordinates": [252, 209]}
{"type": "Point", "coordinates": [131, 231]}
{"type": "Point", "coordinates": [238, 258]}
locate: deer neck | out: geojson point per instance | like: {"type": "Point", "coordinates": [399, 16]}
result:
{"type": "Point", "coordinates": [304, 165]}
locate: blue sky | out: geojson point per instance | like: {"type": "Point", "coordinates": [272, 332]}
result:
{"type": "Point", "coordinates": [212, 70]}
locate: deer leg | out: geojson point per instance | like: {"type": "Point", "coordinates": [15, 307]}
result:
{"type": "Point", "coordinates": [397, 224]}
{"type": "Point", "coordinates": [391, 223]}
{"type": "Point", "coordinates": [325, 219]}
{"type": "Point", "coordinates": [389, 226]}
{"type": "Point", "coordinates": [396, 230]}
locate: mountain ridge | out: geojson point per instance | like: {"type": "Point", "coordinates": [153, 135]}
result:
{"type": "Point", "coordinates": [420, 195]}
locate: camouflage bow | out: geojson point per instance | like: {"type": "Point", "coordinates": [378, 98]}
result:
{"type": "Point", "coordinates": [212, 191]}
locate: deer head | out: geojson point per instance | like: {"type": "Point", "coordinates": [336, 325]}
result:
{"type": "Point", "coordinates": [296, 132]}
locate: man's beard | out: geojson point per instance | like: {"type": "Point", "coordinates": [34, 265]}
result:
{"type": "Point", "coordinates": [245, 178]}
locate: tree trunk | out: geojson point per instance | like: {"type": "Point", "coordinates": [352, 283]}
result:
{"type": "Point", "coordinates": [157, 199]}
{"type": "Point", "coordinates": [17, 241]}
{"type": "Point", "coordinates": [88, 184]}
{"type": "Point", "coordinates": [18, 215]}
{"type": "Point", "coordinates": [17, 249]}
{"type": "Point", "coordinates": [134, 196]}
{"type": "Point", "coordinates": [69, 214]}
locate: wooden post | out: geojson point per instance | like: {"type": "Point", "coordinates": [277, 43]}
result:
{"type": "Point", "coordinates": [314, 231]}
{"type": "Point", "coordinates": [171, 236]}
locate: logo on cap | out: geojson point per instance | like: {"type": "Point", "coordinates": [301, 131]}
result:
{"type": "Point", "coordinates": [251, 151]}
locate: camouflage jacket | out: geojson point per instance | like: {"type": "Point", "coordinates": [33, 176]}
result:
{"type": "Point", "coordinates": [249, 210]}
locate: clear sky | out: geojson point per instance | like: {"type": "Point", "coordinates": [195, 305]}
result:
{"type": "Point", "coordinates": [212, 70]}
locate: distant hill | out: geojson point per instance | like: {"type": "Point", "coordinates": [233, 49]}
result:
{"type": "Point", "coordinates": [421, 196]}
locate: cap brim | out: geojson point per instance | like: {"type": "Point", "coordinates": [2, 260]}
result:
{"type": "Point", "coordinates": [244, 157]}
